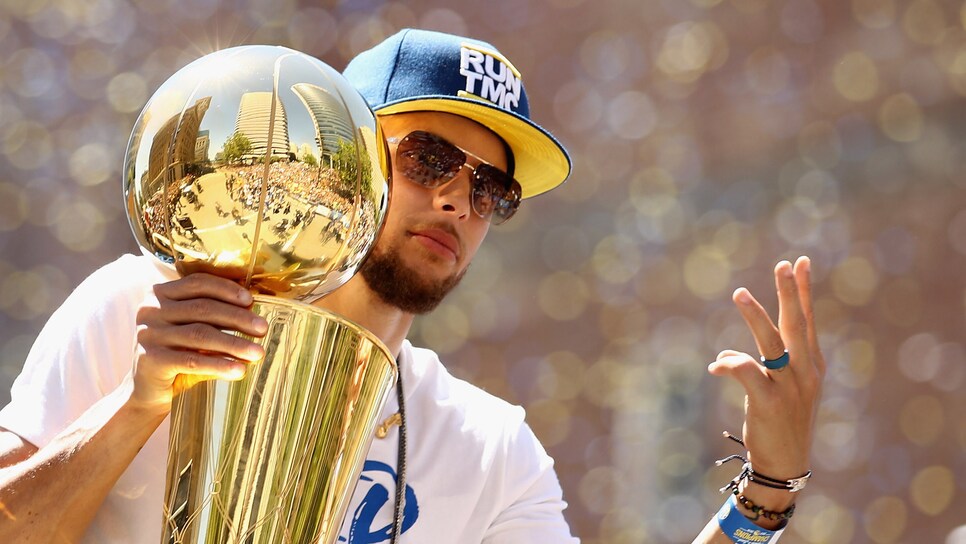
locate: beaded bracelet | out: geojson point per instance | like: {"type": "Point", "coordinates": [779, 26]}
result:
{"type": "Point", "coordinates": [739, 529]}
{"type": "Point", "coordinates": [760, 512]}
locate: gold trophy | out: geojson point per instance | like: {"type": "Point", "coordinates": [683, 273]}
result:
{"type": "Point", "coordinates": [264, 165]}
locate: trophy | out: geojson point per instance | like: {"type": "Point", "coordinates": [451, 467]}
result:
{"type": "Point", "coordinates": [263, 165]}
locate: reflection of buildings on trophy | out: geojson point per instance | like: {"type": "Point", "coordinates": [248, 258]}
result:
{"type": "Point", "coordinates": [174, 146]}
{"type": "Point", "coordinates": [255, 122]}
{"type": "Point", "coordinates": [173, 156]}
{"type": "Point", "coordinates": [331, 119]}
{"type": "Point", "coordinates": [201, 146]}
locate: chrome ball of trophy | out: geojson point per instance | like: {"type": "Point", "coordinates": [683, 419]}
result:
{"type": "Point", "coordinates": [263, 165]}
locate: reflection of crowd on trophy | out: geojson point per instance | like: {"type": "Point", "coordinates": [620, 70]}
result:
{"type": "Point", "coordinates": [296, 193]}
{"type": "Point", "coordinates": [307, 185]}
{"type": "Point", "coordinates": [154, 218]}
{"type": "Point", "coordinates": [286, 180]}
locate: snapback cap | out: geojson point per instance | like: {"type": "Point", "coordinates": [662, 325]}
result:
{"type": "Point", "coordinates": [422, 70]}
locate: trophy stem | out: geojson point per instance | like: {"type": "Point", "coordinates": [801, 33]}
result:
{"type": "Point", "coordinates": [276, 456]}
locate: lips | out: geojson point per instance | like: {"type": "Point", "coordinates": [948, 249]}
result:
{"type": "Point", "coordinates": [439, 241]}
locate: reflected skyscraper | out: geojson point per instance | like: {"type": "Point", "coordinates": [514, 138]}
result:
{"type": "Point", "coordinates": [255, 121]}
{"type": "Point", "coordinates": [329, 115]}
{"type": "Point", "coordinates": [201, 146]}
{"type": "Point", "coordinates": [175, 144]}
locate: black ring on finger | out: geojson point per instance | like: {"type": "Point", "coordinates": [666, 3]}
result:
{"type": "Point", "coordinates": [778, 364]}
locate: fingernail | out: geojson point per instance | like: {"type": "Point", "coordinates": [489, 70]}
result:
{"type": "Point", "coordinates": [237, 372]}
{"type": "Point", "coordinates": [742, 296]}
{"type": "Point", "coordinates": [787, 270]}
{"type": "Point", "coordinates": [245, 297]}
{"type": "Point", "coordinates": [807, 264]}
{"type": "Point", "coordinates": [259, 324]}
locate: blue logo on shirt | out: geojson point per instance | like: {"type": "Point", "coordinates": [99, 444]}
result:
{"type": "Point", "coordinates": [376, 500]}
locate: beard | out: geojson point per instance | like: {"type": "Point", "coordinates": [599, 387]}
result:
{"type": "Point", "coordinates": [399, 285]}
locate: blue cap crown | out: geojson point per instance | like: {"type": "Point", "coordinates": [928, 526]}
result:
{"type": "Point", "coordinates": [420, 70]}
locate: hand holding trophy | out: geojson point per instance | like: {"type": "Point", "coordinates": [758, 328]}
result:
{"type": "Point", "coordinates": [263, 165]}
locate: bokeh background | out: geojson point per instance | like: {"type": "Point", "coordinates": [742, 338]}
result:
{"type": "Point", "coordinates": [711, 138]}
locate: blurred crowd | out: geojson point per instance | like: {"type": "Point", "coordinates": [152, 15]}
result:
{"type": "Point", "coordinates": [710, 138]}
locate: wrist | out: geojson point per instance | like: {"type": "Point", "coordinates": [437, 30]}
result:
{"type": "Point", "coordinates": [140, 406]}
{"type": "Point", "coordinates": [771, 500]}
{"type": "Point", "coordinates": [775, 500]}
{"type": "Point", "coordinates": [741, 530]}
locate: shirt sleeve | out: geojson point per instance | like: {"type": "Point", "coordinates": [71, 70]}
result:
{"type": "Point", "coordinates": [83, 352]}
{"type": "Point", "coordinates": [535, 505]}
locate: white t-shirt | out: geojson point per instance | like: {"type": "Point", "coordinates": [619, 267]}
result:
{"type": "Point", "coordinates": [475, 471]}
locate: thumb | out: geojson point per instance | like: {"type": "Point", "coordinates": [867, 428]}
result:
{"type": "Point", "coordinates": [741, 367]}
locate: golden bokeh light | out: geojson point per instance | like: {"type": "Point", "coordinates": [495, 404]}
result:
{"type": "Point", "coordinates": [707, 272]}
{"type": "Point", "coordinates": [563, 296]}
{"type": "Point", "coordinates": [824, 521]}
{"type": "Point", "coordinates": [553, 418]}
{"type": "Point", "coordinates": [854, 281]}
{"type": "Point", "coordinates": [561, 376]}
{"type": "Point", "coordinates": [616, 260]}
{"type": "Point", "coordinates": [13, 207]}
{"type": "Point", "coordinates": [448, 329]}
{"type": "Point", "coordinates": [922, 420]}
{"type": "Point", "coordinates": [885, 520]}
{"type": "Point", "coordinates": [89, 164]}
{"type": "Point", "coordinates": [690, 49]}
{"type": "Point", "coordinates": [900, 118]}
{"type": "Point", "coordinates": [924, 22]}
{"type": "Point", "coordinates": [127, 92]}
{"type": "Point", "coordinates": [27, 144]}
{"type": "Point", "coordinates": [933, 489]}
{"type": "Point", "coordinates": [856, 77]}
{"type": "Point", "coordinates": [855, 363]}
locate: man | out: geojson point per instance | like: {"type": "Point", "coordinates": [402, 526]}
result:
{"type": "Point", "coordinates": [84, 440]}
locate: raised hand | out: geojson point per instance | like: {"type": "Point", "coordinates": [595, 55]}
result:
{"type": "Point", "coordinates": [780, 404]}
{"type": "Point", "coordinates": [185, 329]}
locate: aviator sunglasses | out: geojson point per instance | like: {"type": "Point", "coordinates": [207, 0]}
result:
{"type": "Point", "coordinates": [430, 161]}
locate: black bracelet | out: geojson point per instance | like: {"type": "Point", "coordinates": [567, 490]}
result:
{"type": "Point", "coordinates": [793, 485]}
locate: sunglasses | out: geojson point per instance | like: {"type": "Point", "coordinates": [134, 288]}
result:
{"type": "Point", "coordinates": [430, 161]}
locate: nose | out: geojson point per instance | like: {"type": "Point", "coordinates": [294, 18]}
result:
{"type": "Point", "coordinates": [454, 197]}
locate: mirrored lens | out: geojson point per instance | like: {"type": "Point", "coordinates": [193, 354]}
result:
{"type": "Point", "coordinates": [491, 197]}
{"type": "Point", "coordinates": [508, 205]}
{"type": "Point", "coordinates": [428, 159]}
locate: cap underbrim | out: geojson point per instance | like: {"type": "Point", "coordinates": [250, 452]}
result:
{"type": "Point", "coordinates": [540, 162]}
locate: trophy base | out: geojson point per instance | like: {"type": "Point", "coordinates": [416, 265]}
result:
{"type": "Point", "coordinates": [275, 456]}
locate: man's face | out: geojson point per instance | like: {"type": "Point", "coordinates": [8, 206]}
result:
{"type": "Point", "coordinates": [430, 235]}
